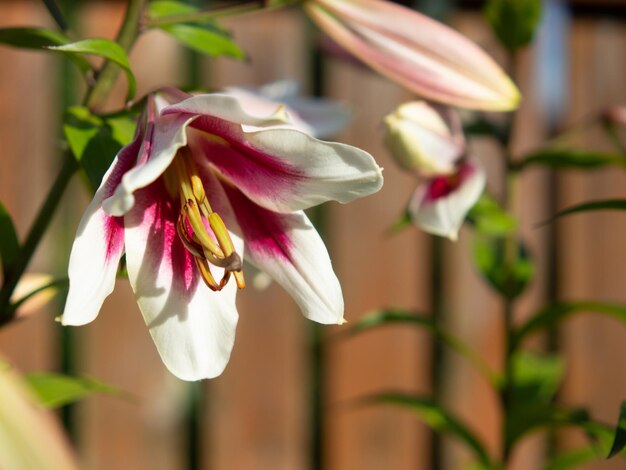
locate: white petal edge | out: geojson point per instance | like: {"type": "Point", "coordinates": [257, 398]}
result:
{"type": "Point", "coordinates": [309, 278]}
{"type": "Point", "coordinates": [169, 135]}
{"type": "Point", "coordinates": [445, 215]}
{"type": "Point", "coordinates": [91, 270]}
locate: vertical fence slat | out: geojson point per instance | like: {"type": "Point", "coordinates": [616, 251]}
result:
{"type": "Point", "coordinates": [593, 244]}
{"type": "Point", "coordinates": [27, 170]}
{"type": "Point", "coordinates": [376, 270]}
{"type": "Point", "coordinates": [261, 399]}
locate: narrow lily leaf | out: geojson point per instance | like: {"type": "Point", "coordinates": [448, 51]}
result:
{"type": "Point", "coordinates": [102, 48]}
{"type": "Point", "coordinates": [9, 243]}
{"type": "Point", "coordinates": [402, 222]}
{"type": "Point", "coordinates": [206, 37]}
{"type": "Point", "coordinates": [55, 390]}
{"type": "Point", "coordinates": [514, 21]}
{"type": "Point", "coordinates": [381, 318]}
{"type": "Point", "coordinates": [574, 458]}
{"type": "Point", "coordinates": [535, 377]}
{"type": "Point", "coordinates": [553, 314]}
{"type": "Point", "coordinates": [39, 39]}
{"type": "Point", "coordinates": [607, 204]}
{"type": "Point", "coordinates": [536, 416]}
{"type": "Point", "coordinates": [489, 254]}
{"type": "Point", "coordinates": [488, 218]}
{"type": "Point", "coordinates": [620, 432]}
{"type": "Point", "coordinates": [573, 159]}
{"type": "Point", "coordinates": [31, 38]}
{"type": "Point", "coordinates": [535, 380]}
{"type": "Point", "coordinates": [95, 140]}
{"type": "Point", "coordinates": [439, 419]}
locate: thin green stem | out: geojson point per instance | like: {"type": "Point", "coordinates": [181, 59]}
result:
{"type": "Point", "coordinates": [511, 253]}
{"type": "Point", "coordinates": [126, 37]}
{"type": "Point", "coordinates": [35, 235]}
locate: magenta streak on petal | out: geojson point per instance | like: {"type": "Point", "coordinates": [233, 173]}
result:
{"type": "Point", "coordinates": [264, 231]}
{"type": "Point", "coordinates": [442, 186]}
{"type": "Point", "coordinates": [248, 167]}
{"type": "Point", "coordinates": [114, 226]}
{"type": "Point", "coordinates": [164, 250]}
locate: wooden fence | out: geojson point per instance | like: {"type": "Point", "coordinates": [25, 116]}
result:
{"type": "Point", "coordinates": [257, 415]}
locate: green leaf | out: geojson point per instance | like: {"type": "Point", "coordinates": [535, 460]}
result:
{"type": "Point", "coordinates": [95, 140]}
{"type": "Point", "coordinates": [562, 158]}
{"type": "Point", "coordinates": [574, 458]}
{"type": "Point", "coordinates": [489, 255]}
{"type": "Point", "coordinates": [514, 21]}
{"type": "Point", "coordinates": [535, 416]}
{"type": "Point", "coordinates": [102, 48]}
{"type": "Point", "coordinates": [535, 377]}
{"type": "Point", "coordinates": [553, 314]}
{"type": "Point", "coordinates": [39, 39]}
{"type": "Point", "coordinates": [535, 381]}
{"type": "Point", "coordinates": [619, 442]}
{"type": "Point", "coordinates": [205, 37]}
{"type": "Point", "coordinates": [9, 243]}
{"type": "Point", "coordinates": [439, 419]}
{"type": "Point", "coordinates": [488, 218]}
{"type": "Point", "coordinates": [402, 222]}
{"type": "Point", "coordinates": [380, 318]}
{"type": "Point", "coordinates": [55, 390]}
{"type": "Point", "coordinates": [603, 205]}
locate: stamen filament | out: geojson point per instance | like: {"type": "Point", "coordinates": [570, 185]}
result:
{"type": "Point", "coordinates": [195, 220]}
{"type": "Point", "coordinates": [207, 277]}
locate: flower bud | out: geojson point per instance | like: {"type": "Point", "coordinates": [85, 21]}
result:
{"type": "Point", "coordinates": [424, 139]}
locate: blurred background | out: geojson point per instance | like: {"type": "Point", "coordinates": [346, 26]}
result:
{"type": "Point", "coordinates": [287, 399]}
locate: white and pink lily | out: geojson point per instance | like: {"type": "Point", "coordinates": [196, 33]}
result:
{"type": "Point", "coordinates": [416, 51]}
{"type": "Point", "coordinates": [203, 181]}
{"type": "Point", "coordinates": [428, 141]}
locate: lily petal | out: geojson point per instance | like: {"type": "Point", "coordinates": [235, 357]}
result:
{"type": "Point", "coordinates": [98, 247]}
{"type": "Point", "coordinates": [440, 205]}
{"type": "Point", "coordinates": [289, 249]}
{"type": "Point", "coordinates": [193, 327]}
{"type": "Point", "coordinates": [162, 137]}
{"type": "Point", "coordinates": [418, 52]}
{"type": "Point", "coordinates": [286, 170]}
{"type": "Point", "coordinates": [316, 116]}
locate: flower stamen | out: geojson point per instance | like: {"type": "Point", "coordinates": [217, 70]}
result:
{"type": "Point", "coordinates": [182, 181]}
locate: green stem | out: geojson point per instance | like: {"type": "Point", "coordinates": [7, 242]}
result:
{"type": "Point", "coordinates": [511, 252]}
{"type": "Point", "coordinates": [34, 237]}
{"type": "Point", "coordinates": [94, 98]}
{"type": "Point", "coordinates": [107, 75]}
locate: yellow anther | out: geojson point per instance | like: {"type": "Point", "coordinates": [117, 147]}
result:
{"type": "Point", "coordinates": [221, 233]}
{"type": "Point", "coordinates": [241, 282]}
{"type": "Point", "coordinates": [195, 219]}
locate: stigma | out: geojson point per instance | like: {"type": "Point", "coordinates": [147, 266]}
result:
{"type": "Point", "coordinates": [200, 229]}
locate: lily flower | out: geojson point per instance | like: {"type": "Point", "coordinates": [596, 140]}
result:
{"type": "Point", "coordinates": [203, 181]}
{"type": "Point", "coordinates": [416, 51]}
{"type": "Point", "coordinates": [428, 141]}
